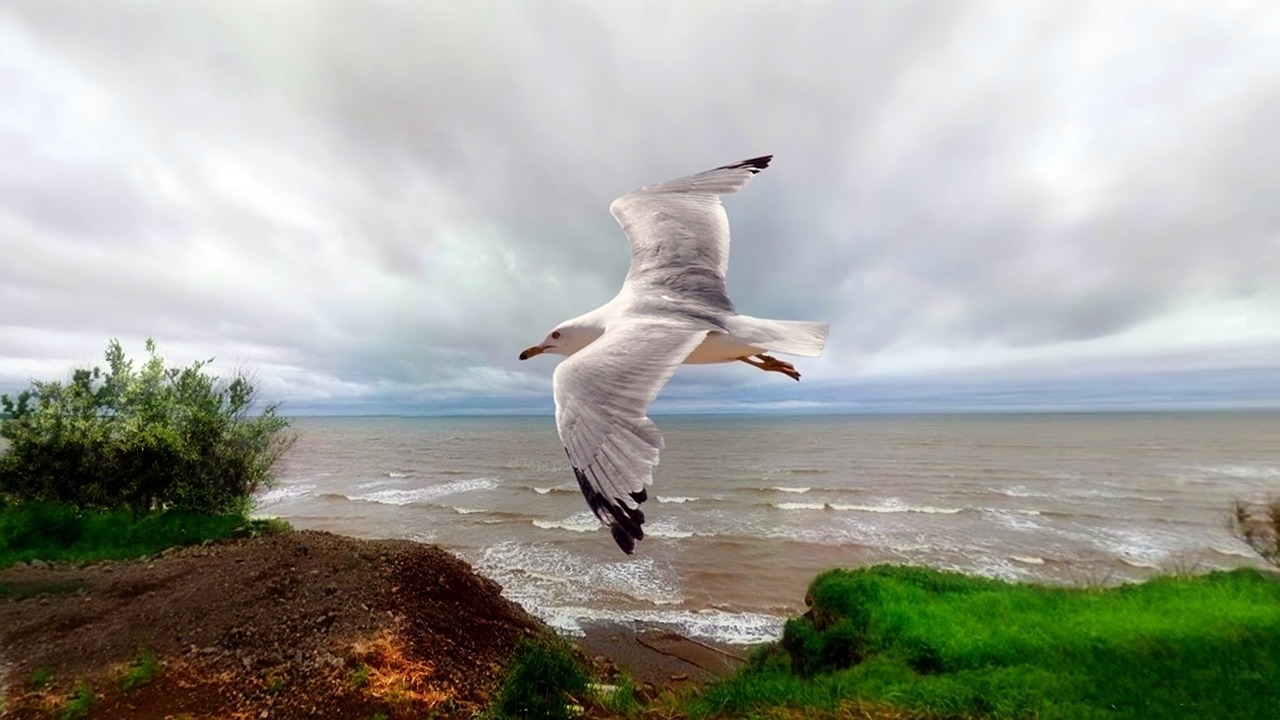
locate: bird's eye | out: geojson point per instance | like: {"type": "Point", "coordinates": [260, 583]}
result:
{"type": "Point", "coordinates": [555, 335]}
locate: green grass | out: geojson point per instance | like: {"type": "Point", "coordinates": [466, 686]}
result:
{"type": "Point", "coordinates": [542, 680]}
{"type": "Point", "coordinates": [78, 704]}
{"type": "Point", "coordinates": [141, 671]}
{"type": "Point", "coordinates": [360, 676]}
{"type": "Point", "coordinates": [41, 679]}
{"type": "Point", "coordinates": [944, 644]}
{"type": "Point", "coordinates": [622, 701]}
{"type": "Point", "coordinates": [59, 533]}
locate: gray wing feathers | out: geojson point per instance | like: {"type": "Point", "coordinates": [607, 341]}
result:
{"type": "Point", "coordinates": [601, 395]}
{"type": "Point", "coordinates": [724, 180]}
{"type": "Point", "coordinates": [678, 233]}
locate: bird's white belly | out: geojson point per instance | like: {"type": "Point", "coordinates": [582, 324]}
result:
{"type": "Point", "coordinates": [720, 347]}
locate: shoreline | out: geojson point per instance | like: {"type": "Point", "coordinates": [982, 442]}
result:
{"type": "Point", "coordinates": [658, 657]}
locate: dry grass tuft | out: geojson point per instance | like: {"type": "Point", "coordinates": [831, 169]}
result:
{"type": "Point", "coordinates": [397, 678]}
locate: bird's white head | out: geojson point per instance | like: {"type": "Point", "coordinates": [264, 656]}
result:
{"type": "Point", "coordinates": [567, 339]}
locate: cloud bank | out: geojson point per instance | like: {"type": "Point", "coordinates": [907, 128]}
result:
{"type": "Point", "coordinates": [373, 207]}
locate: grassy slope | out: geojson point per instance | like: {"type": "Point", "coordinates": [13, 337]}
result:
{"type": "Point", "coordinates": [936, 644]}
{"type": "Point", "coordinates": [58, 533]}
{"type": "Point", "coordinates": [950, 645]}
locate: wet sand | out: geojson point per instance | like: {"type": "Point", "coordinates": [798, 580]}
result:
{"type": "Point", "coordinates": [659, 657]}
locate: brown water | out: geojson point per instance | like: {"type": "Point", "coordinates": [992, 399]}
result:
{"type": "Point", "coordinates": [744, 511]}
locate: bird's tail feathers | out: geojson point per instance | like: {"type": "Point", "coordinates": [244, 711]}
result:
{"type": "Point", "coordinates": [793, 337]}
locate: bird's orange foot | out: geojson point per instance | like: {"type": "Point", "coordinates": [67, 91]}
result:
{"type": "Point", "coordinates": [769, 363]}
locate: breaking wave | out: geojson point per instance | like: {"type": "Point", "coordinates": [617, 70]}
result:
{"type": "Point", "coordinates": [283, 493]}
{"type": "Point", "coordinates": [408, 496]}
{"type": "Point", "coordinates": [580, 522]}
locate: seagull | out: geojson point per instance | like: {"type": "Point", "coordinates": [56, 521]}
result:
{"type": "Point", "coordinates": [673, 309]}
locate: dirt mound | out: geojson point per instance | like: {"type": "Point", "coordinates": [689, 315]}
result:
{"type": "Point", "coordinates": [304, 624]}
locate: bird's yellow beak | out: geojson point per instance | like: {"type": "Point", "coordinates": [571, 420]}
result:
{"type": "Point", "coordinates": [535, 350]}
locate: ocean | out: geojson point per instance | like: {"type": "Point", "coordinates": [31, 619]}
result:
{"type": "Point", "coordinates": [744, 511]}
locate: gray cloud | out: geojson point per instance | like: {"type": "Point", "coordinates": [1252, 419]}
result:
{"type": "Point", "coordinates": [379, 204]}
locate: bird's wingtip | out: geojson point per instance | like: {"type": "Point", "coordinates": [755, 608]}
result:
{"type": "Point", "coordinates": [754, 165]}
{"type": "Point", "coordinates": [624, 539]}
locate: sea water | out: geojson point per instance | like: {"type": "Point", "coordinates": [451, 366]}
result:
{"type": "Point", "coordinates": [744, 511]}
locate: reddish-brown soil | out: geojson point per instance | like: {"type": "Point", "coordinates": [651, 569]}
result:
{"type": "Point", "coordinates": [299, 625]}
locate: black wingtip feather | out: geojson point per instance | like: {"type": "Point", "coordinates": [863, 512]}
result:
{"type": "Point", "coordinates": [755, 165]}
{"type": "Point", "coordinates": [624, 540]}
{"type": "Point", "coordinates": [626, 522]}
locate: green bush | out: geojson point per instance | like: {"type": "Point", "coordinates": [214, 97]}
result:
{"type": "Point", "coordinates": [146, 439]}
{"type": "Point", "coordinates": [542, 681]}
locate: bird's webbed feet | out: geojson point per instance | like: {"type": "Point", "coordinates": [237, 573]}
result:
{"type": "Point", "coordinates": [769, 363]}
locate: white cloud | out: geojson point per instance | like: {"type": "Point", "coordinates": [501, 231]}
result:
{"type": "Point", "coordinates": [378, 205]}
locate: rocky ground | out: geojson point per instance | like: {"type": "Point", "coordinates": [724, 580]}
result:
{"type": "Point", "coordinates": [299, 625]}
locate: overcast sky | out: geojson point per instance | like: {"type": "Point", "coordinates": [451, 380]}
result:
{"type": "Point", "coordinates": [373, 207]}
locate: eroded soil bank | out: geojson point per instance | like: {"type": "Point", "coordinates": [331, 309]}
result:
{"type": "Point", "coordinates": [303, 624]}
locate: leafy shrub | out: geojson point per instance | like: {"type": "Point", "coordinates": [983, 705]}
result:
{"type": "Point", "coordinates": [542, 681]}
{"type": "Point", "coordinates": [151, 438]}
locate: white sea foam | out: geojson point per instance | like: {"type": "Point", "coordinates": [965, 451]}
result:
{"type": "Point", "coordinates": [675, 499]}
{"type": "Point", "coordinates": [718, 625]}
{"type": "Point", "coordinates": [1244, 472]}
{"type": "Point", "coordinates": [785, 489]}
{"type": "Point", "coordinates": [1027, 559]}
{"type": "Point", "coordinates": [1021, 491]}
{"type": "Point", "coordinates": [799, 506]}
{"type": "Point", "coordinates": [666, 528]}
{"type": "Point", "coordinates": [469, 511]}
{"type": "Point", "coordinates": [1233, 551]}
{"type": "Point", "coordinates": [1086, 493]}
{"type": "Point", "coordinates": [393, 474]}
{"type": "Point", "coordinates": [663, 533]}
{"type": "Point", "coordinates": [406, 496]}
{"type": "Point", "coordinates": [1015, 519]}
{"type": "Point", "coordinates": [284, 493]}
{"type": "Point", "coordinates": [584, 521]}
{"type": "Point", "coordinates": [823, 535]}
{"type": "Point", "coordinates": [1106, 494]}
{"type": "Point", "coordinates": [993, 567]}
{"type": "Point", "coordinates": [896, 506]}
{"type": "Point", "coordinates": [555, 489]}
{"type": "Point", "coordinates": [542, 575]}
{"type": "Point", "coordinates": [1137, 548]}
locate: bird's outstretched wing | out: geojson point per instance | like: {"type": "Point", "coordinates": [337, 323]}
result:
{"type": "Point", "coordinates": [679, 236]}
{"type": "Point", "coordinates": [602, 393]}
